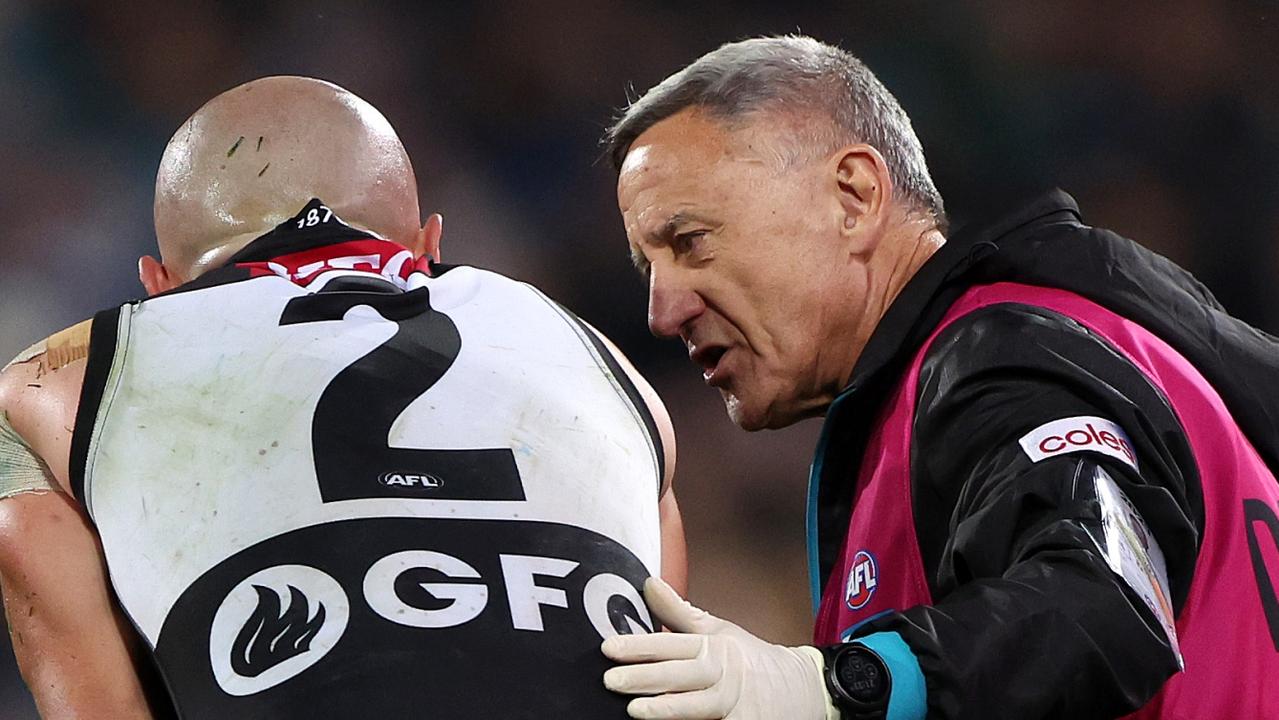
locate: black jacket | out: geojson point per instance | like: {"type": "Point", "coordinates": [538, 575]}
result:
{"type": "Point", "coordinates": [1059, 636]}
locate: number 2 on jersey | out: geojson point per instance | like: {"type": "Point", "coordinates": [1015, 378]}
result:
{"type": "Point", "coordinates": [350, 432]}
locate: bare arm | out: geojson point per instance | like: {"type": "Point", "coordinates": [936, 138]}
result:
{"type": "Point", "coordinates": [75, 649]}
{"type": "Point", "coordinates": [674, 549]}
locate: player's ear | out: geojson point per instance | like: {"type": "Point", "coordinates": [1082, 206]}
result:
{"type": "Point", "coordinates": [428, 238]}
{"type": "Point", "coordinates": [155, 277]}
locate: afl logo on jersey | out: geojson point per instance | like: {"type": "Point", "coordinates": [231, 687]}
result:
{"type": "Point", "coordinates": [274, 625]}
{"type": "Point", "coordinates": [863, 578]}
{"type": "Point", "coordinates": [410, 480]}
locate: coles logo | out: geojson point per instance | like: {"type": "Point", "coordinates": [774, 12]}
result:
{"type": "Point", "coordinates": [863, 578]}
{"type": "Point", "coordinates": [1076, 434]}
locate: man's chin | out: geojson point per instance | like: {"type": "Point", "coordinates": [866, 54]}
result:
{"type": "Point", "coordinates": [748, 417]}
{"type": "Point", "coordinates": [755, 413]}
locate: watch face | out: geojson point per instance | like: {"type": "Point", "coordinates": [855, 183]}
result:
{"type": "Point", "coordinates": [862, 675]}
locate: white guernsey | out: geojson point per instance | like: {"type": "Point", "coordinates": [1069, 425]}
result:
{"type": "Point", "coordinates": [317, 480]}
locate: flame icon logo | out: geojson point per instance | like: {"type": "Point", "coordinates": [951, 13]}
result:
{"type": "Point", "coordinates": [274, 625]}
{"type": "Point", "coordinates": [269, 637]}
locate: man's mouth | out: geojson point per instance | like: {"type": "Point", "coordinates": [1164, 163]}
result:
{"type": "Point", "coordinates": [710, 358]}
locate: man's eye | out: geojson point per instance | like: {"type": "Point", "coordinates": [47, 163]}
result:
{"type": "Point", "coordinates": [685, 242]}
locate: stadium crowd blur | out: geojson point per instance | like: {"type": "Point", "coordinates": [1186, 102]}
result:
{"type": "Point", "coordinates": [1162, 120]}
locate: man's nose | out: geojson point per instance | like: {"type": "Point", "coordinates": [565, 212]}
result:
{"type": "Point", "coordinates": [671, 306]}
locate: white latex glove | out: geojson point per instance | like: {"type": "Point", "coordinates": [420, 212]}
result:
{"type": "Point", "coordinates": [708, 668]}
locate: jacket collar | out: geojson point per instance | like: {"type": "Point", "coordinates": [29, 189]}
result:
{"type": "Point", "coordinates": [923, 301]}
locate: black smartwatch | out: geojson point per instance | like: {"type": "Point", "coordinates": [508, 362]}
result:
{"type": "Point", "coordinates": [858, 681]}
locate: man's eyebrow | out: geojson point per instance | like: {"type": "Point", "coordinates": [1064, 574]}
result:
{"type": "Point", "coordinates": [673, 222]}
{"type": "Point", "coordinates": [680, 218]}
{"type": "Point", "coordinates": [664, 235]}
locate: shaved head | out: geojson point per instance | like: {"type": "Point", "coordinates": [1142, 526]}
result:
{"type": "Point", "coordinates": [254, 155]}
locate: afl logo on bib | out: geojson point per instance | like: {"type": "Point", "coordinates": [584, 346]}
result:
{"type": "Point", "coordinates": [274, 625]}
{"type": "Point", "coordinates": [863, 578]}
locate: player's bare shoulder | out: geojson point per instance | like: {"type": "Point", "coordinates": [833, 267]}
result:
{"type": "Point", "coordinates": [58, 349]}
{"type": "Point", "coordinates": [53, 364]}
{"type": "Point", "coordinates": [40, 392]}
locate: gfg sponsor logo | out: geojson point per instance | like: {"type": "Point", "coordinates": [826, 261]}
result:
{"type": "Point", "coordinates": [525, 585]}
{"type": "Point", "coordinates": [863, 578]}
{"type": "Point", "coordinates": [1076, 434]}
{"type": "Point", "coordinates": [278, 622]}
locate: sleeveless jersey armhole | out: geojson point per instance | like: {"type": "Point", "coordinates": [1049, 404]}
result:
{"type": "Point", "coordinates": [622, 382]}
{"type": "Point", "coordinates": [108, 342]}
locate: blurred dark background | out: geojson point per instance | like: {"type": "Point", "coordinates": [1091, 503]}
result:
{"type": "Point", "coordinates": [1161, 118]}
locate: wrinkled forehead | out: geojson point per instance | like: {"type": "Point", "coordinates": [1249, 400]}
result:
{"type": "Point", "coordinates": [686, 159]}
{"type": "Point", "coordinates": [679, 148]}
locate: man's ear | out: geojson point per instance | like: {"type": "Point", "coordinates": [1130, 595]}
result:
{"type": "Point", "coordinates": [427, 241]}
{"type": "Point", "coordinates": [155, 277]}
{"type": "Point", "coordinates": [865, 193]}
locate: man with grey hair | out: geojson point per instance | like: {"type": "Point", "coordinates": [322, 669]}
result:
{"type": "Point", "coordinates": [1046, 482]}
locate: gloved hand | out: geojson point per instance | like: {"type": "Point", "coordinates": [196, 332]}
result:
{"type": "Point", "coordinates": [709, 668]}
